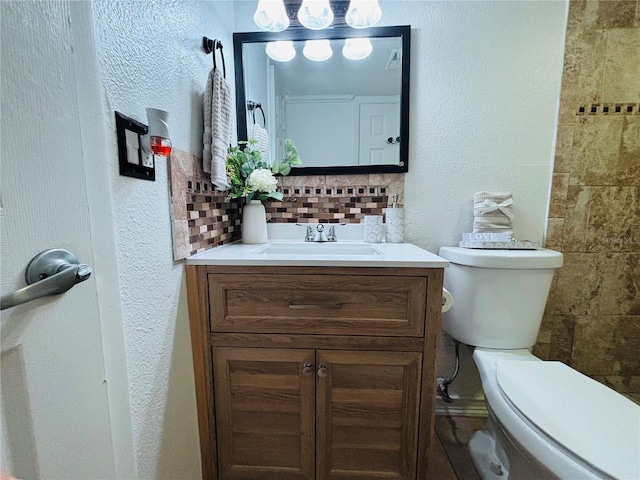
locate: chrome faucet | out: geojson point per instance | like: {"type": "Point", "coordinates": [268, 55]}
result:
{"type": "Point", "coordinates": [320, 235]}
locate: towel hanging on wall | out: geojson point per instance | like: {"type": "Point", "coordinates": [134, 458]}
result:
{"type": "Point", "coordinates": [218, 121]}
{"type": "Point", "coordinates": [261, 136]}
{"type": "Point", "coordinates": [258, 133]}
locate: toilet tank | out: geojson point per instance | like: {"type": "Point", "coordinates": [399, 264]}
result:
{"type": "Point", "coordinates": [499, 295]}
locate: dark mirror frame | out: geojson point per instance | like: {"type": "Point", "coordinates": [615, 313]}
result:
{"type": "Point", "coordinates": [404, 32]}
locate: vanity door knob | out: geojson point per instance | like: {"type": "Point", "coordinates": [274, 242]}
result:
{"type": "Point", "coordinates": [322, 371]}
{"type": "Point", "coordinates": [307, 370]}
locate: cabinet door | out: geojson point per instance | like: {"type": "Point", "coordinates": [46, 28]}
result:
{"type": "Point", "coordinates": [264, 402]}
{"type": "Point", "coordinates": [367, 414]}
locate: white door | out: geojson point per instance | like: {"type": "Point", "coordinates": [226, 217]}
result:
{"type": "Point", "coordinates": [378, 123]}
{"type": "Point", "coordinates": [54, 400]}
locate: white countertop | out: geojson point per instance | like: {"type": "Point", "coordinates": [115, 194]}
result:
{"type": "Point", "coordinates": [404, 255]}
{"type": "Point", "coordinates": [282, 236]}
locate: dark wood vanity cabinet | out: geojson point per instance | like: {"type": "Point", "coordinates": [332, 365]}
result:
{"type": "Point", "coordinates": [315, 372]}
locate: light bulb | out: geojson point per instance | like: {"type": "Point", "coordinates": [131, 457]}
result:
{"type": "Point", "coordinates": [271, 15]}
{"type": "Point", "coordinates": [357, 48]}
{"type": "Point", "coordinates": [315, 14]}
{"type": "Point", "coordinates": [281, 51]}
{"type": "Point", "coordinates": [363, 13]}
{"type": "Point", "coordinates": [317, 50]}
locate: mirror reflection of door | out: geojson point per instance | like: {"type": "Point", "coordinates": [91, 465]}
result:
{"type": "Point", "coordinates": [378, 123]}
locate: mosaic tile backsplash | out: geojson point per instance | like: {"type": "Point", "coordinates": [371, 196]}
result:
{"type": "Point", "coordinates": [203, 217]}
{"type": "Point", "coordinates": [342, 205]}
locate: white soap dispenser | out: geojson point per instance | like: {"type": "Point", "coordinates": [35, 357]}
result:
{"type": "Point", "coordinates": [395, 222]}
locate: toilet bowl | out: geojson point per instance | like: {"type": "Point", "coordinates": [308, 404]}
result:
{"type": "Point", "coordinates": [549, 421]}
{"type": "Point", "coordinates": [546, 420]}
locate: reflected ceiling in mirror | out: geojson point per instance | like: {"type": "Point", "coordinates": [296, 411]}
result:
{"type": "Point", "coordinates": [345, 116]}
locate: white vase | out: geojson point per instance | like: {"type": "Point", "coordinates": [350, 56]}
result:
{"type": "Point", "coordinates": [254, 223]}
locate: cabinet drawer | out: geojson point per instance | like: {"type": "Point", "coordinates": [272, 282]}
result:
{"type": "Point", "coordinates": [321, 304]}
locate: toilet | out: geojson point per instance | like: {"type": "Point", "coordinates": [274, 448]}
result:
{"type": "Point", "coordinates": [546, 420]}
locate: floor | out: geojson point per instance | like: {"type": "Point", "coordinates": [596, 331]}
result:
{"type": "Point", "coordinates": [451, 460]}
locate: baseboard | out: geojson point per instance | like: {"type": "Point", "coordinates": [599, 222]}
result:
{"type": "Point", "coordinates": [462, 407]}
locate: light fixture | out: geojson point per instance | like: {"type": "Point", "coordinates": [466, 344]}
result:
{"type": "Point", "coordinates": [315, 14]}
{"type": "Point", "coordinates": [357, 48]}
{"type": "Point", "coordinates": [281, 51]}
{"type": "Point", "coordinates": [156, 141]}
{"type": "Point", "coordinates": [317, 50]}
{"type": "Point", "coordinates": [363, 13]}
{"type": "Point", "coordinates": [271, 15]}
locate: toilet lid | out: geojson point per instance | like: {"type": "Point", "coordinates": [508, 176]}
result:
{"type": "Point", "coordinates": [590, 420]}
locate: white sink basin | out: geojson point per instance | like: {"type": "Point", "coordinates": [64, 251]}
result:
{"type": "Point", "coordinates": [287, 248]}
{"type": "Point", "coordinates": [317, 248]}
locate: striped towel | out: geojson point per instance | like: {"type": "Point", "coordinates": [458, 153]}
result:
{"type": "Point", "coordinates": [217, 128]}
{"type": "Point", "coordinates": [261, 136]}
{"type": "Point", "coordinates": [492, 212]}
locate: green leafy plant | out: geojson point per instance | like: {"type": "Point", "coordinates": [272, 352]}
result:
{"type": "Point", "coordinates": [250, 176]}
{"type": "Point", "coordinates": [290, 159]}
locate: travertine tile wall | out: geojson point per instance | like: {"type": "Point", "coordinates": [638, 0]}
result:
{"type": "Point", "coordinates": [592, 320]}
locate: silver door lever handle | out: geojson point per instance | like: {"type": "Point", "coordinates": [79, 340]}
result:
{"type": "Point", "coordinates": [49, 273]}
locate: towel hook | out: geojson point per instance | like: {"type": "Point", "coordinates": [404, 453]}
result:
{"type": "Point", "coordinates": [210, 46]}
{"type": "Point", "coordinates": [264, 118]}
{"type": "Point", "coordinates": [252, 107]}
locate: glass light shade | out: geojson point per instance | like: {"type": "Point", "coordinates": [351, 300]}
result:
{"type": "Point", "coordinates": [315, 14]}
{"type": "Point", "coordinates": [317, 50]}
{"type": "Point", "coordinates": [357, 48]}
{"type": "Point", "coordinates": [281, 51]}
{"type": "Point", "coordinates": [271, 15]}
{"type": "Point", "coordinates": [363, 13]}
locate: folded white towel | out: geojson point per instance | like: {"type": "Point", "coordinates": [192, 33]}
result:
{"type": "Point", "coordinates": [218, 123]}
{"type": "Point", "coordinates": [492, 212]}
{"type": "Point", "coordinates": [261, 136]}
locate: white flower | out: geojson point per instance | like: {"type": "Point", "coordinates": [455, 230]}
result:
{"type": "Point", "coordinates": [262, 180]}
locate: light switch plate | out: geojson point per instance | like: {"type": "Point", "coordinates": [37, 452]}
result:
{"type": "Point", "coordinates": [134, 162]}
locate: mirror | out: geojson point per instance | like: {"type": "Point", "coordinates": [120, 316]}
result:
{"type": "Point", "coordinates": [344, 116]}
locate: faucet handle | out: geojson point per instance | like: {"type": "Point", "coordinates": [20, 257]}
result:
{"type": "Point", "coordinates": [309, 236]}
{"type": "Point", "coordinates": [332, 231]}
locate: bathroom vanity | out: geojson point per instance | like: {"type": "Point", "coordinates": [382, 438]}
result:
{"type": "Point", "coordinates": [315, 364]}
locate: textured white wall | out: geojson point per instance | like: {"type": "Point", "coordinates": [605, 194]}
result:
{"type": "Point", "coordinates": [150, 56]}
{"type": "Point", "coordinates": [485, 84]}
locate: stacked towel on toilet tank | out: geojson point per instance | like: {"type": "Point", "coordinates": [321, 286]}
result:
{"type": "Point", "coordinates": [492, 212]}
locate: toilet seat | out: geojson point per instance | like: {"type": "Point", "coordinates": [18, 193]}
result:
{"type": "Point", "coordinates": [561, 402]}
